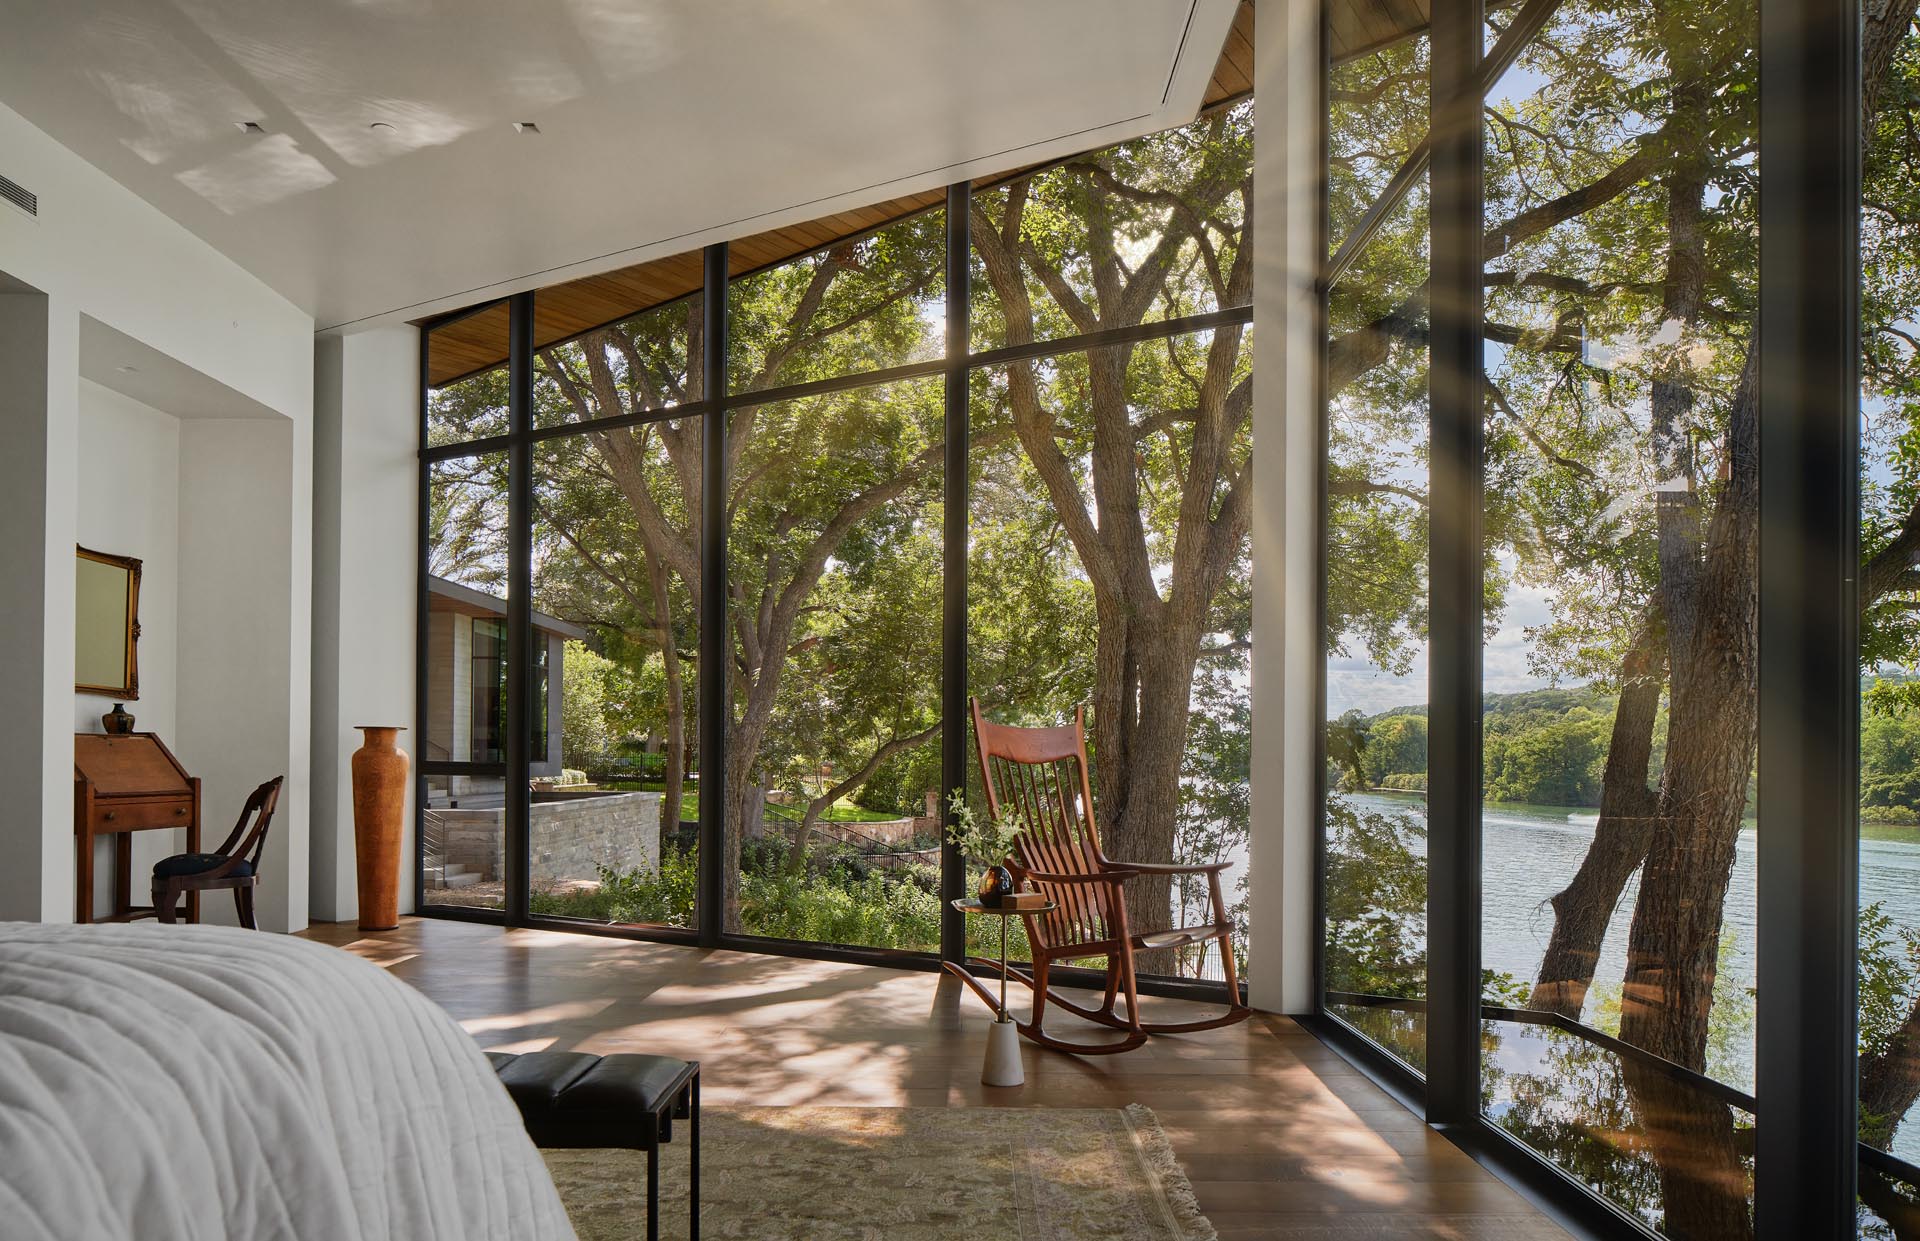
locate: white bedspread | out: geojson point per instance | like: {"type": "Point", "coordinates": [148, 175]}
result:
{"type": "Point", "coordinates": [184, 1083]}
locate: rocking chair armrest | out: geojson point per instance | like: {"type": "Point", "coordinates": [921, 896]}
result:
{"type": "Point", "coordinates": [1172, 868]}
{"type": "Point", "coordinates": [1112, 874]}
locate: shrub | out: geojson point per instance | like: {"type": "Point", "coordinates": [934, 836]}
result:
{"type": "Point", "coordinates": [633, 895]}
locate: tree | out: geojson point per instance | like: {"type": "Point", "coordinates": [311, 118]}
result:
{"type": "Point", "coordinates": [1142, 451]}
{"type": "Point", "coordinates": [804, 479]}
{"type": "Point", "coordinates": [1621, 450]}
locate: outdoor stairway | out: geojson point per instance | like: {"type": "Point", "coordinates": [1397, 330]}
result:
{"type": "Point", "coordinates": [458, 875]}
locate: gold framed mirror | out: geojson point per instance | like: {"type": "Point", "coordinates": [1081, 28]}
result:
{"type": "Point", "coordinates": [106, 625]}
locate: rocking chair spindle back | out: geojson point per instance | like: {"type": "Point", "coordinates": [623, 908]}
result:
{"type": "Point", "coordinates": [1039, 777]}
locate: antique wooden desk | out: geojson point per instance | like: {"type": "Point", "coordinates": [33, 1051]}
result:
{"type": "Point", "coordinates": [123, 785]}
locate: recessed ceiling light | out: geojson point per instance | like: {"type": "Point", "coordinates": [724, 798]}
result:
{"type": "Point", "coordinates": [381, 127]}
{"type": "Point", "coordinates": [249, 127]}
{"type": "Point", "coordinates": [525, 127]}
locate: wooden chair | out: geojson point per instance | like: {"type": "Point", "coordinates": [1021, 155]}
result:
{"type": "Point", "coordinates": [236, 864]}
{"type": "Point", "coordinates": [1039, 776]}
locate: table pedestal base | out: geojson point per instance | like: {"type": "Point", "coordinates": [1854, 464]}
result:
{"type": "Point", "coordinates": [1003, 1056]}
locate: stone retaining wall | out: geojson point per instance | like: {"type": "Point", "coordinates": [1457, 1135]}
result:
{"type": "Point", "coordinates": [572, 838]}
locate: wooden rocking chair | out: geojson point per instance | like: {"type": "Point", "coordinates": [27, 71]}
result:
{"type": "Point", "coordinates": [1039, 776]}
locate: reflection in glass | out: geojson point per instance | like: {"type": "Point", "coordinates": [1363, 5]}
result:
{"type": "Point", "coordinates": [1376, 118]}
{"type": "Point", "coordinates": [1621, 520]}
{"type": "Point", "coordinates": [1375, 862]}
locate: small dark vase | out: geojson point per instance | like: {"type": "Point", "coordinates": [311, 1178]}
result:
{"type": "Point", "coordinates": [118, 722]}
{"type": "Point", "coordinates": [996, 884]}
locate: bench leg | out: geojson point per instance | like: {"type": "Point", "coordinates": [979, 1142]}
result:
{"type": "Point", "coordinates": [653, 1192]}
{"type": "Point", "coordinates": [693, 1163]}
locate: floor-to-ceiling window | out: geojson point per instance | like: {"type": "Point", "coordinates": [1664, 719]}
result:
{"type": "Point", "coordinates": [1111, 498]}
{"type": "Point", "coordinates": [834, 565]}
{"type": "Point", "coordinates": [1619, 677]}
{"type": "Point", "coordinates": [614, 837]}
{"type": "Point", "coordinates": [1889, 857]}
{"type": "Point", "coordinates": [1375, 741]}
{"type": "Point", "coordinates": [1109, 484]}
{"type": "Point", "coordinates": [1649, 671]}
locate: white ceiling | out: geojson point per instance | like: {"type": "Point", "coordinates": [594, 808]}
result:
{"type": "Point", "coordinates": [112, 359]}
{"type": "Point", "coordinates": [663, 123]}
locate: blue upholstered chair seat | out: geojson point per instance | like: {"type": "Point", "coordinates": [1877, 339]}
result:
{"type": "Point", "coordinates": [196, 863]}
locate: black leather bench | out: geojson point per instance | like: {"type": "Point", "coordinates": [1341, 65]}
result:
{"type": "Point", "coordinates": [572, 1101]}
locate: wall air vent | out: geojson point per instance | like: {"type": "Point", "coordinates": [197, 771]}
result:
{"type": "Point", "coordinates": [20, 196]}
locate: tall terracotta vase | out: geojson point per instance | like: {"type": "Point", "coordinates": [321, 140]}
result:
{"type": "Point", "coordinates": [379, 799]}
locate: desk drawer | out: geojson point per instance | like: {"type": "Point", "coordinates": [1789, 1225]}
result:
{"type": "Point", "coordinates": [135, 814]}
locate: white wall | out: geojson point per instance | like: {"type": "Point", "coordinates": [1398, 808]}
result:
{"type": "Point", "coordinates": [237, 705]}
{"type": "Point", "coordinates": [39, 381]}
{"type": "Point", "coordinates": [129, 505]}
{"type": "Point", "coordinates": [366, 522]}
{"type": "Point", "coordinates": [1286, 639]}
{"type": "Point", "coordinates": [98, 250]}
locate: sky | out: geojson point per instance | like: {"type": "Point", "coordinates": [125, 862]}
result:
{"type": "Point", "coordinates": [1353, 681]}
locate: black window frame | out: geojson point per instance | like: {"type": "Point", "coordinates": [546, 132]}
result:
{"type": "Point", "coordinates": [956, 364]}
{"type": "Point", "coordinates": [1807, 1154]}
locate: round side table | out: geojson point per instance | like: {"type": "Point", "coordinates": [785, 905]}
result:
{"type": "Point", "coordinates": [1002, 1066]}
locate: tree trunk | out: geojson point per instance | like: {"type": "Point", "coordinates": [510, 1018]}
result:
{"type": "Point", "coordinates": [1673, 947]}
{"type": "Point", "coordinates": [1703, 1184]}
{"type": "Point", "coordinates": [1890, 1082]}
{"type": "Point", "coordinates": [1583, 909]}
{"type": "Point", "coordinates": [1141, 716]}
{"type": "Point", "coordinates": [746, 806]}
{"type": "Point", "coordinates": [674, 777]}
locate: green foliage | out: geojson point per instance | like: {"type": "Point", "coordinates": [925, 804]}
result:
{"type": "Point", "coordinates": [1889, 978]}
{"type": "Point", "coordinates": [663, 899]}
{"type": "Point", "coordinates": [874, 911]}
{"type": "Point", "coordinates": [1396, 746]}
{"type": "Point", "coordinates": [987, 840]}
{"type": "Point", "coordinates": [597, 706]}
{"type": "Point", "coordinates": [1376, 901]}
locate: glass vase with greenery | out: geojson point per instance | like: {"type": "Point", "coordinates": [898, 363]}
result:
{"type": "Point", "coordinates": [988, 840]}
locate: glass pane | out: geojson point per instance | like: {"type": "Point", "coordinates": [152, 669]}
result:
{"type": "Point", "coordinates": [645, 362]}
{"type": "Point", "coordinates": [1619, 670]}
{"type": "Point", "coordinates": [463, 831]}
{"type": "Point", "coordinates": [1135, 605]}
{"type": "Point", "coordinates": [834, 756]}
{"type": "Point", "coordinates": [1375, 870]}
{"type": "Point", "coordinates": [1889, 936]}
{"type": "Point", "coordinates": [467, 377]}
{"type": "Point", "coordinates": [862, 305]}
{"type": "Point", "coordinates": [1376, 117]}
{"type": "Point", "coordinates": [1150, 229]}
{"type": "Point", "coordinates": [614, 820]}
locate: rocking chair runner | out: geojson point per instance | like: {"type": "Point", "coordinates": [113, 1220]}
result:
{"type": "Point", "coordinates": [1039, 776]}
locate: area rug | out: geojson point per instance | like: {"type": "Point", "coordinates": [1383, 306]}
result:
{"type": "Point", "coordinates": [899, 1174]}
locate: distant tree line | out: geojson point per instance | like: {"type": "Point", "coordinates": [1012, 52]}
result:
{"type": "Point", "coordinates": [1548, 747]}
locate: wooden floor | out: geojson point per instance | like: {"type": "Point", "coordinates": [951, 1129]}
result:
{"type": "Point", "coordinates": [1282, 1138]}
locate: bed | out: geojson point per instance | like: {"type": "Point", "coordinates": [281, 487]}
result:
{"type": "Point", "coordinates": [169, 1083]}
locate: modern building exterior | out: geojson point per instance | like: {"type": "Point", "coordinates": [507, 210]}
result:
{"type": "Point", "coordinates": [467, 678]}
